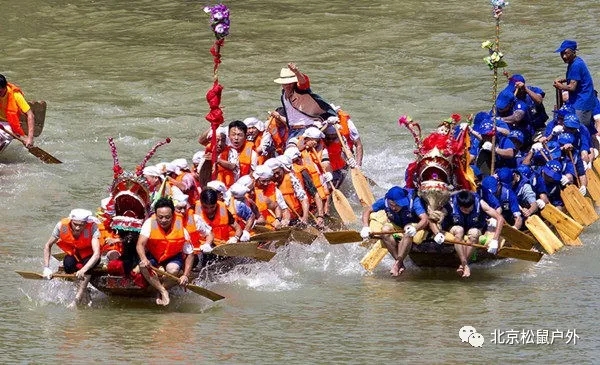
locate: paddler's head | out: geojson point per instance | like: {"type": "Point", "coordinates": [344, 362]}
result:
{"type": "Point", "coordinates": [287, 79]}
{"type": "Point", "coordinates": [465, 201]}
{"type": "Point", "coordinates": [567, 50]}
{"type": "Point", "coordinates": [237, 134]}
{"type": "Point", "coordinates": [164, 210]}
{"type": "Point", "coordinates": [255, 126]}
{"type": "Point", "coordinates": [312, 137]}
{"type": "Point", "coordinates": [79, 218]}
{"type": "Point", "coordinates": [262, 176]}
{"type": "Point", "coordinates": [397, 198]}
{"type": "Point", "coordinates": [208, 202]}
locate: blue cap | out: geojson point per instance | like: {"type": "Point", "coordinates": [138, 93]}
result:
{"type": "Point", "coordinates": [486, 128]}
{"type": "Point", "coordinates": [505, 175]}
{"type": "Point", "coordinates": [571, 121]}
{"type": "Point", "coordinates": [504, 98]}
{"type": "Point", "coordinates": [554, 149]}
{"type": "Point", "coordinates": [567, 43]}
{"type": "Point", "coordinates": [516, 134]}
{"type": "Point", "coordinates": [490, 183]}
{"type": "Point", "coordinates": [398, 196]}
{"type": "Point", "coordinates": [481, 117]}
{"type": "Point", "coordinates": [516, 78]}
{"type": "Point", "coordinates": [525, 170]}
{"type": "Point", "coordinates": [565, 138]}
{"type": "Point", "coordinates": [553, 170]}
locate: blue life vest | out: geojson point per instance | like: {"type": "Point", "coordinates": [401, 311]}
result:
{"type": "Point", "coordinates": [475, 219]}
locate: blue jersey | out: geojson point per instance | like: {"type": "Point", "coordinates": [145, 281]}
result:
{"type": "Point", "coordinates": [406, 215]}
{"type": "Point", "coordinates": [475, 219]}
{"type": "Point", "coordinates": [583, 98]}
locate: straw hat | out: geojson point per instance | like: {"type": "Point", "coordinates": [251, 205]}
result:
{"type": "Point", "coordinates": [286, 76]}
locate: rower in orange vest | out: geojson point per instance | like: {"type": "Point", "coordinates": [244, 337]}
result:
{"type": "Point", "coordinates": [269, 199]}
{"type": "Point", "coordinates": [291, 189]}
{"type": "Point", "coordinates": [261, 139]}
{"type": "Point", "coordinates": [165, 242]}
{"type": "Point", "coordinates": [12, 105]}
{"type": "Point", "coordinates": [78, 236]}
{"type": "Point", "coordinates": [223, 226]}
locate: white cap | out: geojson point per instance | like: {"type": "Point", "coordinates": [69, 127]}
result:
{"type": "Point", "coordinates": [180, 163]}
{"type": "Point", "coordinates": [165, 167]}
{"type": "Point", "coordinates": [151, 171]}
{"type": "Point", "coordinates": [292, 152]}
{"type": "Point", "coordinates": [313, 132]}
{"type": "Point", "coordinates": [238, 190]}
{"type": "Point", "coordinates": [263, 172]}
{"type": "Point", "coordinates": [80, 215]}
{"type": "Point", "coordinates": [292, 142]}
{"type": "Point", "coordinates": [198, 157]}
{"type": "Point", "coordinates": [286, 162]}
{"type": "Point", "coordinates": [254, 122]}
{"type": "Point", "coordinates": [245, 180]}
{"type": "Point", "coordinates": [273, 163]}
{"type": "Point", "coordinates": [180, 199]}
{"type": "Point", "coordinates": [218, 186]}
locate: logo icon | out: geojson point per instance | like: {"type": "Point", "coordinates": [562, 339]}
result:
{"type": "Point", "coordinates": [469, 334]}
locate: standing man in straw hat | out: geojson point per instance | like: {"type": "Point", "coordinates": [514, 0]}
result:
{"type": "Point", "coordinates": [301, 106]}
{"type": "Point", "coordinates": [78, 236]}
{"type": "Point", "coordinates": [578, 82]}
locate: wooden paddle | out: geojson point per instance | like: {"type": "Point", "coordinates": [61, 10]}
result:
{"type": "Point", "coordinates": [243, 249]}
{"type": "Point", "coordinates": [562, 222]}
{"type": "Point", "coordinates": [517, 238]}
{"type": "Point", "coordinates": [39, 112]}
{"type": "Point", "coordinates": [37, 276]}
{"type": "Point", "coordinates": [195, 288]}
{"type": "Point", "coordinates": [543, 234]}
{"type": "Point", "coordinates": [593, 185]}
{"type": "Point", "coordinates": [509, 252]}
{"type": "Point", "coordinates": [578, 207]}
{"type": "Point", "coordinates": [271, 236]}
{"type": "Point", "coordinates": [36, 151]}
{"type": "Point", "coordinates": [339, 237]}
{"type": "Point", "coordinates": [360, 183]}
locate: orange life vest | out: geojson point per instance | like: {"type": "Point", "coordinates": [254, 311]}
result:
{"type": "Point", "coordinates": [107, 233]}
{"type": "Point", "coordinates": [80, 247]}
{"type": "Point", "coordinates": [279, 132]}
{"type": "Point", "coordinates": [224, 175]}
{"type": "Point", "coordinates": [12, 109]}
{"type": "Point", "coordinates": [262, 197]}
{"type": "Point", "coordinates": [313, 169]}
{"type": "Point", "coordinates": [163, 245]}
{"type": "Point", "coordinates": [256, 144]}
{"type": "Point", "coordinates": [193, 193]}
{"type": "Point", "coordinates": [289, 195]}
{"type": "Point", "coordinates": [190, 226]}
{"type": "Point", "coordinates": [220, 223]}
{"type": "Point", "coordinates": [245, 158]}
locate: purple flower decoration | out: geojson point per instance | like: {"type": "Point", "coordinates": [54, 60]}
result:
{"type": "Point", "coordinates": [219, 19]}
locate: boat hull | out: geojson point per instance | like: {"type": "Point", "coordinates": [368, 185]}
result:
{"type": "Point", "coordinates": [430, 254]}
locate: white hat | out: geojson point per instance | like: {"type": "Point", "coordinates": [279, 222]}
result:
{"type": "Point", "coordinates": [292, 142]}
{"type": "Point", "coordinates": [245, 180]}
{"type": "Point", "coordinates": [180, 199]}
{"type": "Point", "coordinates": [273, 163]}
{"type": "Point", "coordinates": [286, 162]}
{"type": "Point", "coordinates": [104, 203]}
{"type": "Point", "coordinates": [251, 122]}
{"type": "Point", "coordinates": [152, 171]}
{"type": "Point", "coordinates": [165, 167]}
{"type": "Point", "coordinates": [263, 172]}
{"type": "Point", "coordinates": [180, 163]}
{"type": "Point", "coordinates": [198, 157]}
{"type": "Point", "coordinates": [313, 132]}
{"type": "Point", "coordinates": [238, 190]}
{"type": "Point", "coordinates": [286, 76]}
{"type": "Point", "coordinates": [80, 215]}
{"type": "Point", "coordinates": [218, 186]}
{"type": "Point", "coordinates": [292, 152]}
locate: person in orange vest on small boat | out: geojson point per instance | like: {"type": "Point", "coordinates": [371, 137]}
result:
{"type": "Point", "coordinates": [164, 242]}
{"type": "Point", "coordinates": [262, 140]}
{"type": "Point", "coordinates": [12, 105]}
{"type": "Point", "coordinates": [291, 189]}
{"type": "Point", "coordinates": [317, 194]}
{"type": "Point", "coordinates": [78, 236]}
{"type": "Point", "coordinates": [215, 214]}
{"type": "Point", "coordinates": [269, 199]}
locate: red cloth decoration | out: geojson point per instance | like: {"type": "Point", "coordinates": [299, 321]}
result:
{"type": "Point", "coordinates": [115, 267]}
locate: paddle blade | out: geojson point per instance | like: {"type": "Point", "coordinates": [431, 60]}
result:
{"type": "Point", "coordinates": [517, 253]}
{"type": "Point", "coordinates": [36, 276]}
{"type": "Point", "coordinates": [339, 237]}
{"type": "Point", "coordinates": [271, 236]}
{"type": "Point", "coordinates": [43, 155]}
{"type": "Point", "coordinates": [517, 238]}
{"type": "Point", "coordinates": [343, 207]}
{"type": "Point", "coordinates": [243, 249]}
{"type": "Point", "coordinates": [205, 292]}
{"type": "Point", "coordinates": [361, 185]}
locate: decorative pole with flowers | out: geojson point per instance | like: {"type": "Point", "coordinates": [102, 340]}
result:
{"type": "Point", "coordinates": [494, 61]}
{"type": "Point", "coordinates": [219, 22]}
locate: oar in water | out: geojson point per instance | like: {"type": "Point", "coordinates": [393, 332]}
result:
{"type": "Point", "coordinates": [194, 288]}
{"type": "Point", "coordinates": [38, 276]}
{"type": "Point", "coordinates": [509, 252]}
{"type": "Point", "coordinates": [562, 222]}
{"type": "Point", "coordinates": [36, 151]}
{"type": "Point", "coordinates": [339, 237]}
{"type": "Point", "coordinates": [243, 249]}
{"type": "Point", "coordinates": [543, 234]}
{"type": "Point", "coordinates": [360, 183]}
{"type": "Point", "coordinates": [517, 238]}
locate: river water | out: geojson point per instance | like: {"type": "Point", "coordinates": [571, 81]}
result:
{"type": "Point", "coordinates": [138, 71]}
